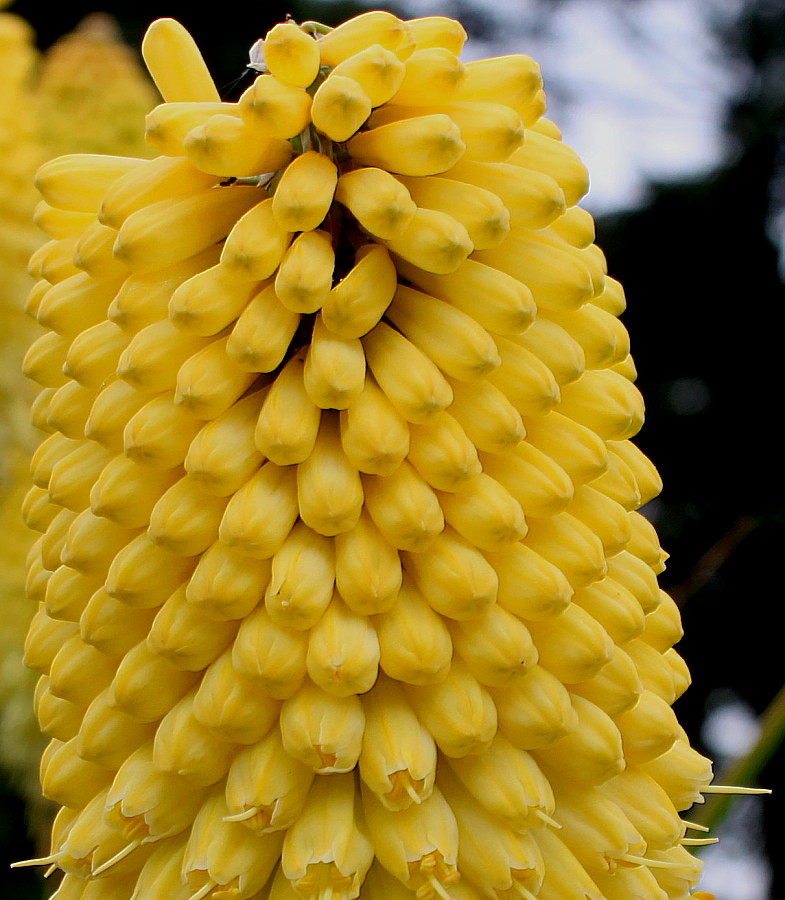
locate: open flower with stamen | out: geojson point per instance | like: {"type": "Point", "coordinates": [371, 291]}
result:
{"type": "Point", "coordinates": [350, 506]}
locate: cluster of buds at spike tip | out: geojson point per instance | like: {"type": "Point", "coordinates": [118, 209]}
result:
{"type": "Point", "coordinates": [342, 586]}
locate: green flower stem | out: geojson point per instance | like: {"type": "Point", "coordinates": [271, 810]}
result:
{"type": "Point", "coordinates": [745, 771]}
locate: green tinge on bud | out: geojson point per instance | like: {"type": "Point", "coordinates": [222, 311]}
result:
{"type": "Point", "coordinates": [261, 335]}
{"type": "Point", "coordinates": [304, 277]}
{"type": "Point", "coordinates": [186, 518]}
{"type": "Point", "coordinates": [334, 373]}
{"type": "Point", "coordinates": [432, 75]}
{"type": "Point", "coordinates": [227, 145]}
{"type": "Point", "coordinates": [256, 243]}
{"type": "Point", "coordinates": [552, 157]}
{"type": "Point", "coordinates": [209, 301]}
{"type": "Point", "coordinates": [442, 453]}
{"type": "Point", "coordinates": [210, 381]}
{"type": "Point", "coordinates": [438, 31]}
{"type": "Point", "coordinates": [434, 241]}
{"type": "Point", "coordinates": [291, 55]}
{"type": "Point", "coordinates": [143, 574]}
{"type": "Point", "coordinates": [425, 145]}
{"type": "Point", "coordinates": [305, 191]}
{"type": "Point", "coordinates": [94, 354]}
{"type": "Point", "coordinates": [359, 32]}
{"type": "Point", "coordinates": [357, 302]}
{"type": "Point", "coordinates": [158, 435]}
{"type": "Point", "coordinates": [340, 107]}
{"type": "Point", "coordinates": [227, 584]}
{"type": "Point", "coordinates": [77, 182]}
{"type": "Point", "coordinates": [379, 202]}
{"type": "Point", "coordinates": [379, 72]}
{"type": "Point", "coordinates": [289, 420]}
{"type": "Point", "coordinates": [374, 436]}
{"type": "Point", "coordinates": [554, 346]}
{"type": "Point", "coordinates": [111, 626]}
{"type": "Point", "coordinates": [276, 109]}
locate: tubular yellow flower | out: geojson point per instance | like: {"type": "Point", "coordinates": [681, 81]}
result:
{"type": "Point", "coordinates": [338, 508]}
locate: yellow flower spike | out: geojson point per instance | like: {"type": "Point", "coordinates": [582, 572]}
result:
{"type": "Point", "coordinates": [418, 845]}
{"type": "Point", "coordinates": [167, 125]}
{"type": "Point", "coordinates": [275, 109]}
{"type": "Point", "coordinates": [404, 508]}
{"type": "Point", "coordinates": [186, 747]}
{"type": "Point", "coordinates": [573, 646]}
{"type": "Point", "coordinates": [524, 379]}
{"type": "Point", "coordinates": [44, 639]}
{"type": "Point", "coordinates": [271, 654]}
{"type": "Point", "coordinates": [571, 546]}
{"type": "Point", "coordinates": [92, 542]}
{"type": "Point", "coordinates": [266, 789]}
{"type": "Point", "coordinates": [68, 409]}
{"type": "Point", "coordinates": [322, 731]}
{"type": "Point", "coordinates": [184, 636]}
{"type": "Point", "coordinates": [357, 302]}
{"type": "Point", "coordinates": [576, 226]}
{"type": "Point", "coordinates": [648, 730]}
{"type": "Point", "coordinates": [343, 651]}
{"type": "Point", "coordinates": [304, 277]}
{"type": "Point", "coordinates": [442, 453]}
{"type": "Point", "coordinates": [434, 241]}
{"type": "Point", "coordinates": [132, 575]}
{"type": "Point", "coordinates": [489, 851]}
{"type": "Point", "coordinates": [368, 572]}
{"type": "Point", "coordinates": [305, 191]}
{"type": "Point", "coordinates": [125, 492]}
{"type": "Point", "coordinates": [92, 298]}
{"type": "Point", "coordinates": [482, 213]}
{"type": "Point", "coordinates": [614, 607]}
{"type": "Point", "coordinates": [604, 516]}
{"type": "Point", "coordinates": [508, 783]}
{"type": "Point", "coordinates": [67, 474]}
{"type": "Point", "coordinates": [93, 252]}
{"type": "Point", "coordinates": [210, 381]}
{"type": "Point", "coordinates": [663, 626]}
{"type": "Point", "coordinates": [291, 55]}
{"type": "Point", "coordinates": [223, 859]}
{"type": "Point", "coordinates": [334, 373]}
{"type": "Point", "coordinates": [191, 225]}
{"type": "Point", "coordinates": [648, 808]}
{"type": "Point", "coordinates": [565, 878]}
{"type": "Point", "coordinates": [450, 338]}
{"type": "Point", "coordinates": [53, 261]}
{"type": "Point", "coordinates": [329, 490]}
{"type": "Point", "coordinates": [438, 31]}
{"type": "Point", "coordinates": [261, 514]}
{"type": "Point", "coordinates": [432, 76]}
{"type": "Point", "coordinates": [112, 626]}
{"type": "Point", "coordinates": [326, 852]}
{"type": "Point", "coordinates": [495, 646]}
{"type": "Point", "coordinates": [79, 671]}
{"type": "Point", "coordinates": [231, 705]}
{"type": "Point", "coordinates": [551, 157]}
{"type": "Point", "coordinates": [458, 712]}
{"type": "Point", "coordinates": [362, 31]}
{"type": "Point", "coordinates": [67, 593]}
{"type": "Point", "coordinates": [226, 144]}
{"type": "Point", "coordinates": [159, 179]}
{"type": "Point", "coordinates": [60, 223]}
{"type": "Point", "coordinates": [592, 752]}
{"type": "Point", "coordinates": [186, 518]}
{"type": "Point", "coordinates": [159, 433]}
{"type": "Point", "coordinates": [603, 337]}
{"type": "Point", "coordinates": [261, 335]}
{"type": "Point", "coordinates": [513, 80]}
{"type": "Point", "coordinates": [484, 513]}
{"type": "Point", "coordinates": [411, 382]}
{"type": "Point", "coordinates": [92, 358]}
{"type": "Point", "coordinates": [144, 802]}
{"type": "Point", "coordinates": [553, 346]}
{"type": "Point", "coordinates": [595, 829]}
{"type": "Point", "coordinates": [77, 182]}
{"type": "Point", "coordinates": [223, 455]}
{"type": "Point", "coordinates": [56, 718]}
{"type": "Point", "coordinates": [302, 578]}
{"type": "Point", "coordinates": [646, 477]}
{"type": "Point", "coordinates": [529, 585]}
{"type": "Point", "coordinates": [425, 145]}
{"type": "Point", "coordinates": [638, 578]}
{"type": "Point", "coordinates": [227, 584]}
{"type": "Point", "coordinates": [256, 243]}
{"type": "Point", "coordinates": [534, 710]}
{"type": "Point", "coordinates": [68, 779]}
{"type": "Point", "coordinates": [374, 436]}
{"type": "Point", "coordinates": [379, 73]}
{"type": "Point", "coordinates": [577, 450]}
{"type": "Point", "coordinates": [175, 63]}
{"type": "Point", "coordinates": [340, 107]}
{"type": "Point", "coordinates": [379, 202]}
{"type": "Point", "coordinates": [288, 422]}
{"type": "Point", "coordinates": [615, 689]}
{"type": "Point", "coordinates": [208, 301]}
{"type": "Point", "coordinates": [398, 759]}
{"type": "Point", "coordinates": [132, 687]}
